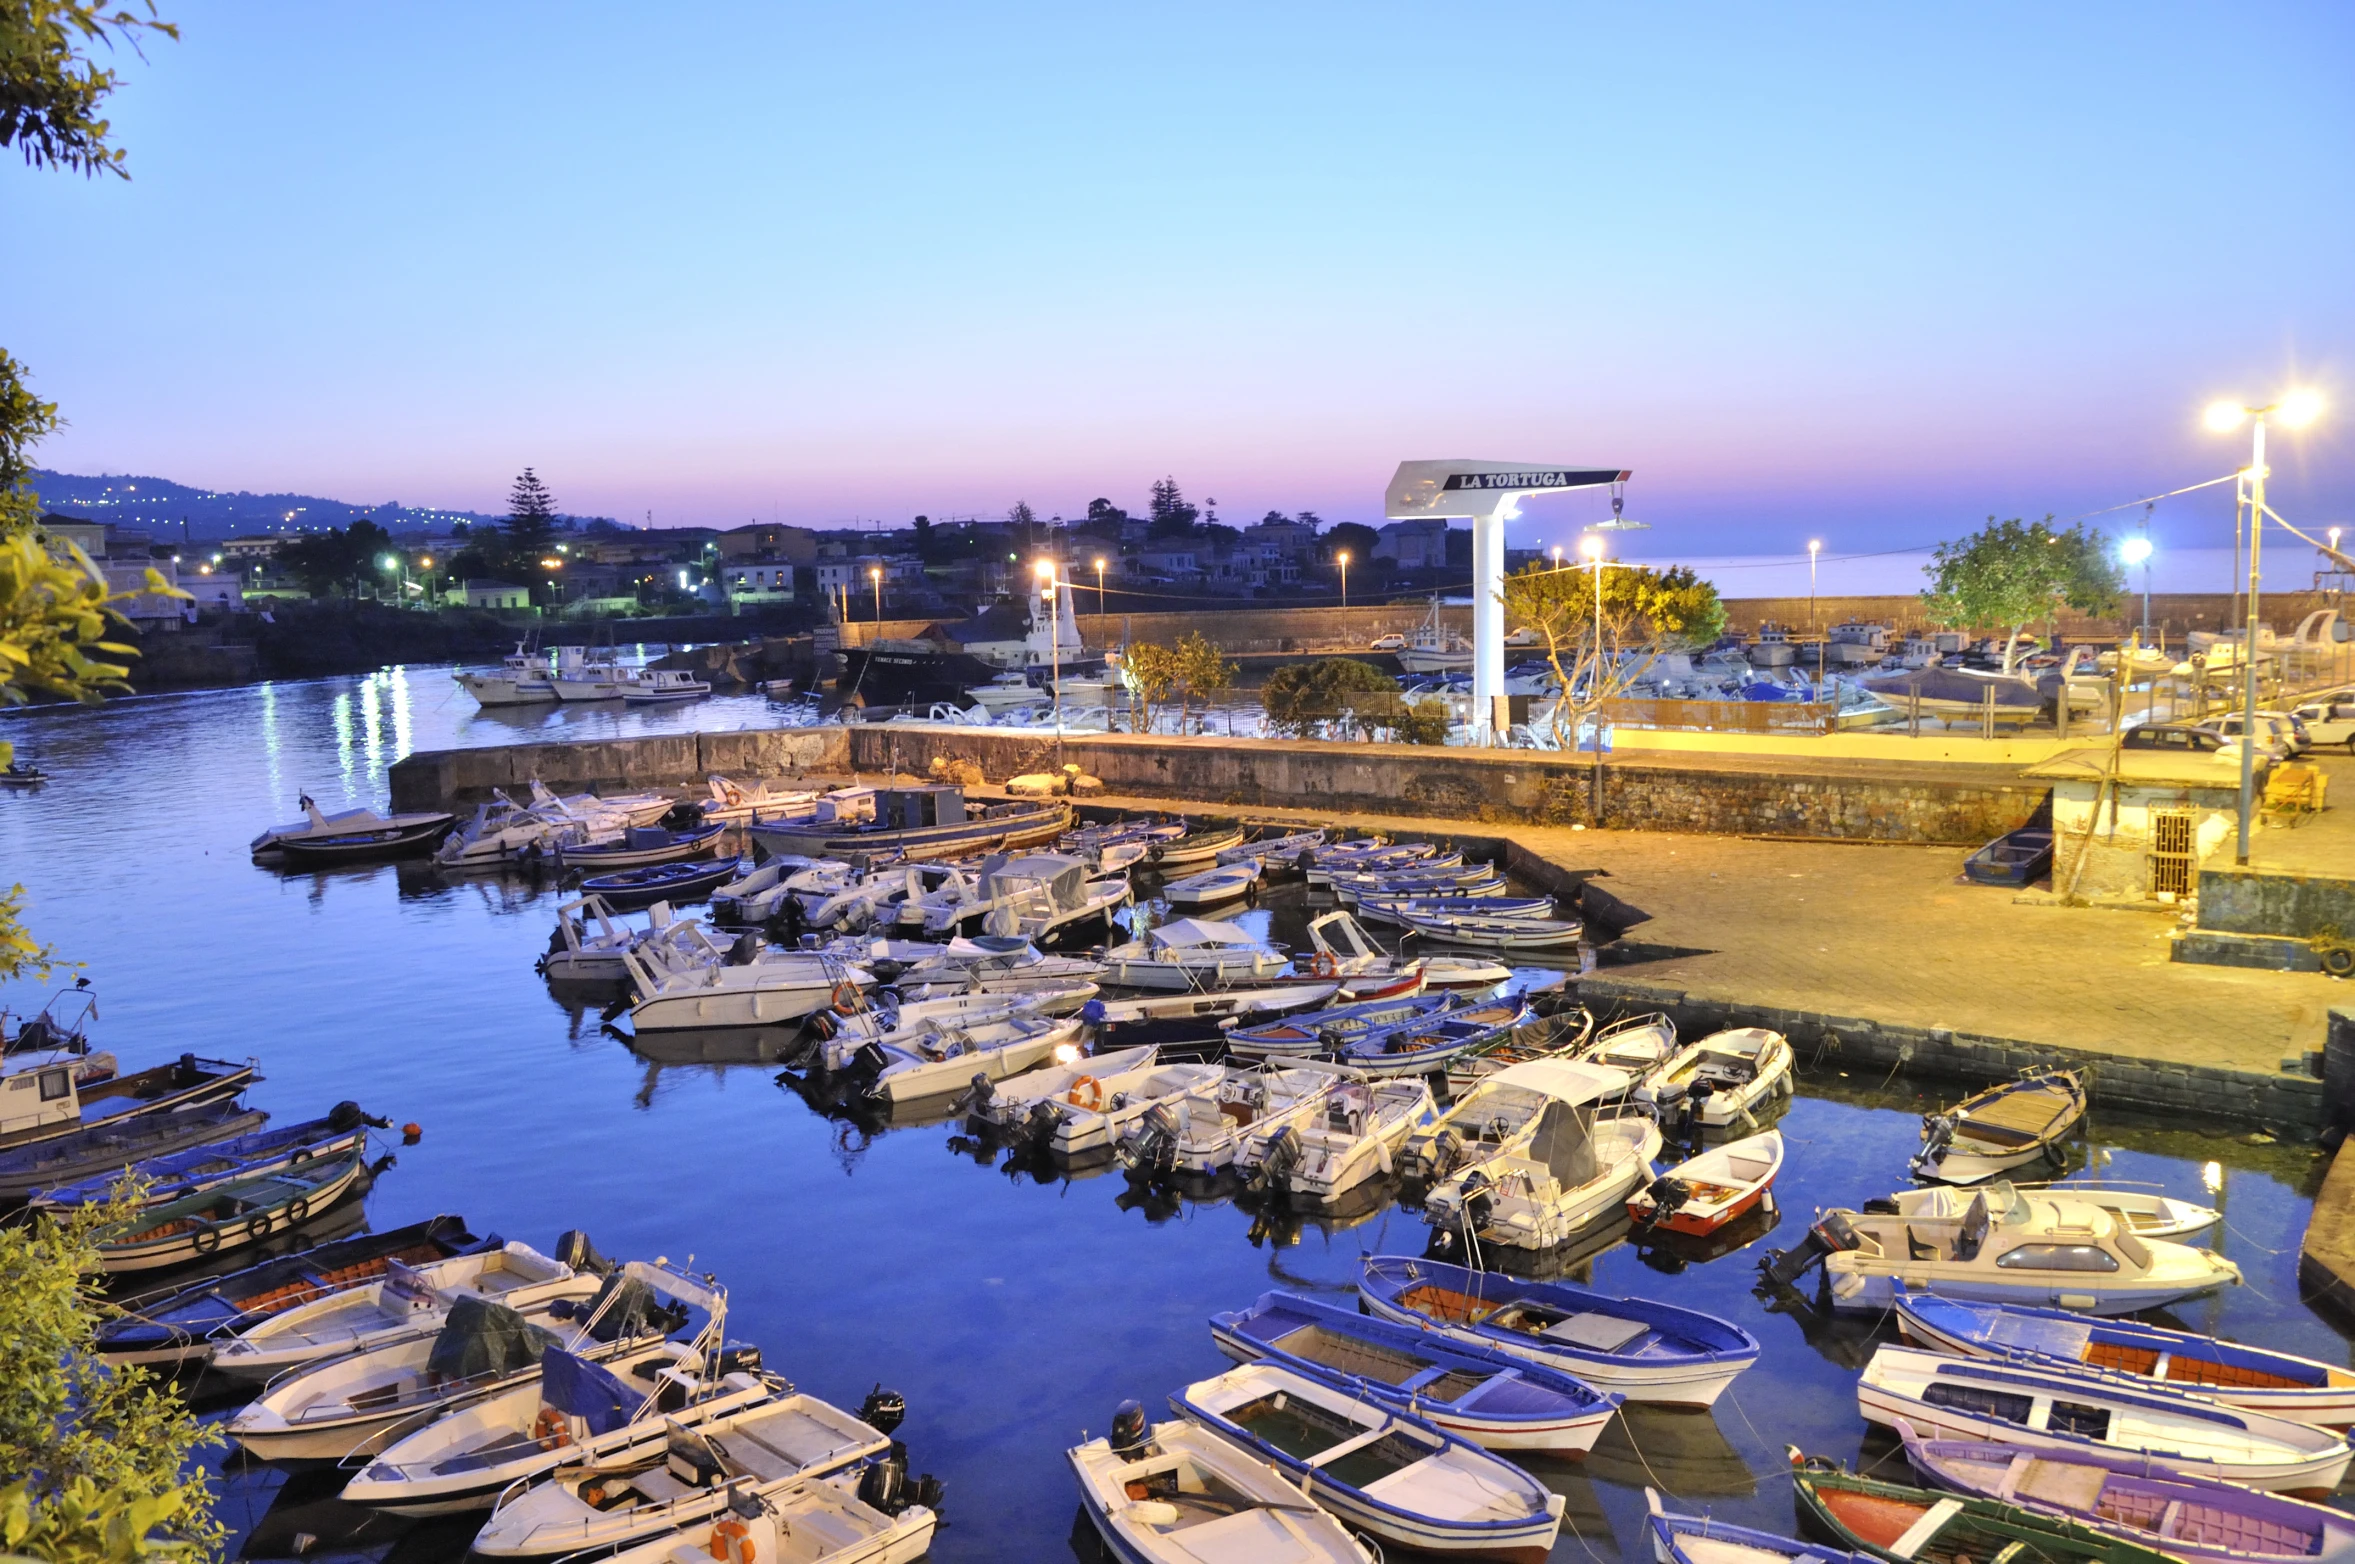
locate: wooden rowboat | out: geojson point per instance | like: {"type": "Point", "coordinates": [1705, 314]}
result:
{"type": "Point", "coordinates": [1907, 1525]}
{"type": "Point", "coordinates": [2001, 1127]}
{"type": "Point", "coordinates": [1720, 1185]}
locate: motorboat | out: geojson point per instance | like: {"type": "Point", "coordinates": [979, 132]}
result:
{"type": "Point", "coordinates": [637, 846]}
{"type": "Point", "coordinates": [917, 822]}
{"type": "Point", "coordinates": [759, 895]}
{"type": "Point", "coordinates": [2038, 1409]}
{"type": "Point", "coordinates": [50, 1102]}
{"type": "Point", "coordinates": [653, 686]}
{"type": "Point", "coordinates": [1178, 1494]}
{"type": "Point", "coordinates": [1501, 1114]}
{"type": "Point", "coordinates": [1435, 647]}
{"type": "Point", "coordinates": [1493, 1400]}
{"type": "Point", "coordinates": [1344, 949]}
{"type": "Point", "coordinates": [1642, 1349]}
{"type": "Point", "coordinates": [951, 1056]}
{"type": "Point", "coordinates": [2144, 1212]}
{"type": "Point", "coordinates": [1564, 1035]}
{"type": "Point", "coordinates": [1996, 1245]}
{"type": "Point", "coordinates": [823, 1522]}
{"type": "Point", "coordinates": [105, 1148]}
{"type": "Point", "coordinates": [780, 989]}
{"type": "Point", "coordinates": [1201, 1136]}
{"type": "Point", "coordinates": [1317, 1159]}
{"type": "Point", "coordinates": [1322, 1032]}
{"type": "Point", "coordinates": [1958, 694]}
{"type": "Point", "coordinates": [19, 772]}
{"type": "Point", "coordinates": [588, 943]}
{"type": "Point", "coordinates": [1397, 1478]}
{"type": "Point", "coordinates": [352, 834]}
{"type": "Point", "coordinates": [642, 808]}
{"type": "Point", "coordinates": [1576, 1168]}
{"type": "Point", "coordinates": [226, 1217]}
{"type": "Point", "coordinates": [1639, 1044]}
{"type": "Point", "coordinates": [748, 803]}
{"type": "Point", "coordinates": [1017, 1106]}
{"type": "Point", "coordinates": [182, 1324]}
{"type": "Point", "coordinates": [1704, 1193]}
{"type": "Point", "coordinates": [680, 882]}
{"type": "Point", "coordinates": [1425, 1044]}
{"type": "Point", "coordinates": [1704, 1539]}
{"type": "Point", "coordinates": [992, 963]}
{"type": "Point", "coordinates": [1897, 1522]}
{"type": "Point", "coordinates": [1005, 692]}
{"type": "Point", "coordinates": [919, 1027]}
{"type": "Point", "coordinates": [1213, 887]}
{"type": "Point", "coordinates": [1037, 896]}
{"type": "Point", "coordinates": [2200, 1520]}
{"type": "Point", "coordinates": [590, 673]}
{"type": "Point", "coordinates": [1723, 1079]}
{"type": "Point", "coordinates": [1209, 1010]}
{"type": "Point", "coordinates": [2231, 1373]}
{"type": "Point", "coordinates": [2001, 1128]}
{"type": "Point", "coordinates": [1095, 1111]}
{"type": "Point", "coordinates": [522, 679]}
{"type": "Point", "coordinates": [179, 1174]}
{"type": "Point", "coordinates": [1193, 953]}
{"type": "Point", "coordinates": [406, 1302]}
{"type": "Point", "coordinates": [771, 1448]}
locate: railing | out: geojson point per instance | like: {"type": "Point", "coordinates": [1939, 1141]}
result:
{"type": "Point", "coordinates": [1724, 716]}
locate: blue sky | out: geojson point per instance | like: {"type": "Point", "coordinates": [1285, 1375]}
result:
{"type": "Point", "coordinates": [1868, 274]}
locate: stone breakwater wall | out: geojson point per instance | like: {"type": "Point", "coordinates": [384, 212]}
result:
{"type": "Point", "coordinates": [2287, 1103]}
{"type": "Point", "coordinates": [438, 779]}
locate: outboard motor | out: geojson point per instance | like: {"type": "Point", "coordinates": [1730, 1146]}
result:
{"type": "Point", "coordinates": [930, 1491]}
{"type": "Point", "coordinates": [883, 1410]}
{"type": "Point", "coordinates": [1668, 1197]}
{"type": "Point", "coordinates": [886, 972]}
{"type": "Point", "coordinates": [574, 1249]}
{"type": "Point", "coordinates": [883, 1485]}
{"type": "Point", "coordinates": [821, 1026]}
{"type": "Point", "coordinates": [870, 1060]}
{"type": "Point", "coordinates": [348, 1116]}
{"type": "Point", "coordinates": [188, 1074]}
{"type": "Point", "coordinates": [1829, 1235]}
{"type": "Point", "coordinates": [1131, 1438]}
{"type": "Point", "coordinates": [1937, 1139]}
{"type": "Point", "coordinates": [1478, 1202]}
{"type": "Point", "coordinates": [977, 1096]}
{"type": "Point", "coordinates": [1696, 1102]}
{"type": "Point", "coordinates": [1038, 1126]}
{"type": "Point", "coordinates": [1447, 1149]}
{"type": "Point", "coordinates": [1278, 1163]}
{"type": "Point", "coordinates": [1152, 1149]}
{"type": "Point", "coordinates": [746, 949]}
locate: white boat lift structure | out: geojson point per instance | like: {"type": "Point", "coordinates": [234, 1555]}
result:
{"type": "Point", "coordinates": [1488, 494]}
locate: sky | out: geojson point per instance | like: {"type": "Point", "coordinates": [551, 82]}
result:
{"type": "Point", "coordinates": [1863, 274]}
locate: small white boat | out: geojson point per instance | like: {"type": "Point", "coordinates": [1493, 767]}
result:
{"type": "Point", "coordinates": [915, 1026]}
{"type": "Point", "coordinates": [1704, 1539]}
{"type": "Point", "coordinates": [1723, 1079]}
{"type": "Point", "coordinates": [1564, 1035]}
{"type": "Point", "coordinates": [384, 834]}
{"type": "Point", "coordinates": [1281, 851]}
{"type": "Point", "coordinates": [948, 1057]}
{"type": "Point", "coordinates": [590, 941]}
{"type": "Point", "coordinates": [1638, 1044]}
{"type": "Point", "coordinates": [1576, 1169]}
{"type": "Point", "coordinates": [1218, 1004]}
{"type": "Point", "coordinates": [745, 803]}
{"type": "Point", "coordinates": [1704, 1193]}
{"type": "Point", "coordinates": [1495, 933]}
{"type": "Point", "coordinates": [1092, 1113]}
{"type": "Point", "coordinates": [774, 991]}
{"type": "Point", "coordinates": [1318, 1158]}
{"type": "Point", "coordinates": [823, 1522]}
{"type": "Point", "coordinates": [1501, 1114]}
{"type": "Point", "coordinates": [2039, 1408]}
{"type": "Point", "coordinates": [1202, 1135]}
{"type": "Point", "coordinates": [1008, 691]}
{"type": "Point", "coordinates": [651, 686]}
{"type": "Point", "coordinates": [2146, 1213]}
{"type": "Point", "coordinates": [1212, 887]}
{"type": "Point", "coordinates": [758, 895]}
{"type": "Point", "coordinates": [2002, 1127]}
{"type": "Point", "coordinates": [1178, 1494]}
{"type": "Point", "coordinates": [1007, 1108]}
{"type": "Point", "coordinates": [1997, 1245]}
{"type": "Point", "coordinates": [1193, 953]}
{"type": "Point", "coordinates": [523, 679]}
{"type": "Point", "coordinates": [1398, 1478]}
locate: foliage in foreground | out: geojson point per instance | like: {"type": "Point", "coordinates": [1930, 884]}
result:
{"type": "Point", "coordinates": [1349, 699]}
{"type": "Point", "coordinates": [1643, 612]}
{"type": "Point", "coordinates": [50, 90]}
{"type": "Point", "coordinates": [98, 1458]}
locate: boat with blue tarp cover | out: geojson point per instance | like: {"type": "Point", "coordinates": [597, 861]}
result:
{"type": "Point", "coordinates": [2230, 1372]}
{"type": "Point", "coordinates": [671, 882]}
{"type": "Point", "coordinates": [179, 1174]}
{"type": "Point", "coordinates": [1645, 1350]}
{"type": "Point", "coordinates": [1496, 1401]}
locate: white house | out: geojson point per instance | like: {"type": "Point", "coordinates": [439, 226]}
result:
{"type": "Point", "coordinates": [489, 594]}
{"type": "Point", "coordinates": [2148, 833]}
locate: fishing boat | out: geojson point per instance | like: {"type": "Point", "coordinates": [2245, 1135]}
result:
{"type": "Point", "coordinates": [393, 834]}
{"type": "Point", "coordinates": [917, 822]}
{"type": "Point", "coordinates": [1398, 1478]}
{"type": "Point", "coordinates": [677, 883]}
{"type": "Point", "coordinates": [1344, 949]}
{"type": "Point", "coordinates": [1564, 1035]}
{"type": "Point", "coordinates": [1999, 1246]}
{"type": "Point", "coordinates": [1213, 887]}
{"type": "Point", "coordinates": [51, 1103]}
{"type": "Point", "coordinates": [1435, 647]}
{"type": "Point", "coordinates": [2200, 1520]}
{"type": "Point", "coordinates": [1575, 1169]}
{"type": "Point", "coordinates": [1177, 1494]}
{"type": "Point", "coordinates": [741, 803]}
{"type": "Point", "coordinates": [1093, 1112]}
{"type": "Point", "coordinates": [1443, 884]}
{"type": "Point", "coordinates": [1201, 843]}
{"type": "Point", "coordinates": [771, 1448]}
{"type": "Point", "coordinates": [1395, 909]}
{"type": "Point", "coordinates": [588, 944]}
{"type": "Point", "coordinates": [1495, 1401]}
{"type": "Point", "coordinates": [522, 679]}
{"type": "Point", "coordinates": [1323, 1031]}
{"type": "Point", "coordinates": [1012, 1108]}
{"type": "Point", "coordinates": [2014, 858]}
{"type": "Point", "coordinates": [951, 1056]}
{"type": "Point", "coordinates": [653, 686]}
{"type": "Point", "coordinates": [592, 673]}
{"type": "Point", "coordinates": [1426, 1044]}
{"type": "Point", "coordinates": [21, 773]}
{"type": "Point", "coordinates": [2258, 1379]}
{"type": "Point", "coordinates": [638, 846]}
{"type": "Point", "coordinates": [1702, 1539]}
{"type": "Point", "coordinates": [1274, 854]}
{"type": "Point", "coordinates": [1205, 1136]}
{"type": "Point", "coordinates": [1644, 1350]}
{"type": "Point", "coordinates": [231, 1216]}
{"type": "Point", "coordinates": [1495, 933]}
{"type": "Point", "coordinates": [2001, 1128]}
{"type": "Point", "coordinates": [360, 1401]}
{"type": "Point", "coordinates": [180, 1174]}
{"type": "Point", "coordinates": [1501, 1114]}
{"type": "Point", "coordinates": [1319, 1158]}
{"type": "Point", "coordinates": [778, 990]}
{"type": "Point", "coordinates": [1707, 1192]}
{"type": "Point", "coordinates": [1907, 1525]}
{"type": "Point", "coordinates": [111, 1145]}
{"type": "Point", "coordinates": [405, 1302]}
{"type": "Point", "coordinates": [182, 1324]}
{"type": "Point", "coordinates": [825, 1522]}
{"type": "Point", "coordinates": [1193, 953]}
{"type": "Point", "coordinates": [1723, 1079]}
{"type": "Point", "coordinates": [2038, 1409]}
{"type": "Point", "coordinates": [2142, 1210]}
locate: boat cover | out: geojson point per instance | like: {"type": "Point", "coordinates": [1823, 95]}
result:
{"type": "Point", "coordinates": [1200, 931]}
{"type": "Point", "coordinates": [1948, 684]}
{"type": "Point", "coordinates": [2059, 1338]}
{"type": "Point", "coordinates": [482, 1339]}
{"type": "Point", "coordinates": [624, 1306]}
{"type": "Point", "coordinates": [579, 1388]}
{"type": "Point", "coordinates": [1564, 1142]}
{"type": "Point", "coordinates": [1066, 879]}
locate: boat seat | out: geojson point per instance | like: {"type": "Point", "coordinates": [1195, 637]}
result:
{"type": "Point", "coordinates": [1918, 1535]}
{"type": "Point", "coordinates": [659, 1486]}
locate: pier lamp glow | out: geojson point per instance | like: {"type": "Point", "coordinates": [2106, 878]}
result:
{"type": "Point", "coordinates": [1046, 595]}
{"type": "Point", "coordinates": [1099, 587]}
{"type": "Point", "coordinates": [2137, 551]}
{"type": "Point", "coordinates": [1557, 556]}
{"type": "Point", "coordinates": [1343, 558]}
{"type": "Point", "coordinates": [1814, 547]}
{"type": "Point", "coordinates": [2292, 410]}
{"type": "Point", "coordinates": [875, 574]}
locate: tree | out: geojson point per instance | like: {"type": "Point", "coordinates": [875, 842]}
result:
{"type": "Point", "coordinates": [51, 91]}
{"type": "Point", "coordinates": [1274, 518]}
{"type": "Point", "coordinates": [1171, 515]}
{"type": "Point", "coordinates": [1201, 673]}
{"type": "Point", "coordinates": [1309, 518]}
{"type": "Point", "coordinates": [95, 1458]}
{"type": "Point", "coordinates": [1340, 691]}
{"type": "Point", "coordinates": [927, 546]}
{"type": "Point", "coordinates": [1355, 536]}
{"type": "Point", "coordinates": [1149, 672]}
{"type": "Point", "coordinates": [332, 563]}
{"type": "Point", "coordinates": [531, 522]}
{"type": "Point", "coordinates": [2011, 574]}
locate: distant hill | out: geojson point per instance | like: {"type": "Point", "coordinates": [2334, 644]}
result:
{"type": "Point", "coordinates": [161, 506]}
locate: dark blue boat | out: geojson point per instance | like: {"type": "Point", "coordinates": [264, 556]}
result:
{"type": "Point", "coordinates": [179, 1174]}
{"type": "Point", "coordinates": [671, 882]}
{"type": "Point", "coordinates": [109, 1146]}
{"type": "Point", "coordinates": [2019, 857]}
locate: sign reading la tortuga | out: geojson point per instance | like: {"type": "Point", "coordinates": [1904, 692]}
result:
{"type": "Point", "coordinates": [1536, 478]}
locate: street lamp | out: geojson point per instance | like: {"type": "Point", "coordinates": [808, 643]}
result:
{"type": "Point", "coordinates": [1046, 593]}
{"type": "Point", "coordinates": [875, 574]}
{"type": "Point", "coordinates": [1100, 587]}
{"type": "Point", "coordinates": [1814, 547]}
{"type": "Point", "coordinates": [2137, 551]}
{"type": "Point", "coordinates": [2296, 411]}
{"type": "Point", "coordinates": [1557, 556]}
{"type": "Point", "coordinates": [1343, 557]}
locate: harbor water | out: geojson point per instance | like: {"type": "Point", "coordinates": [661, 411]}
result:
{"type": "Point", "coordinates": [1013, 1307]}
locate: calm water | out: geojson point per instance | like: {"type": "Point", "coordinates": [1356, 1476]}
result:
{"type": "Point", "coordinates": [1012, 1311]}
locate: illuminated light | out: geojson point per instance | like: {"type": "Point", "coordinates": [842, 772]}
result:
{"type": "Point", "coordinates": [2212, 1177]}
{"type": "Point", "coordinates": [1099, 562]}
{"type": "Point", "coordinates": [1591, 545]}
{"type": "Point", "coordinates": [2135, 550]}
{"type": "Point", "coordinates": [2298, 409]}
{"type": "Point", "coordinates": [1067, 1053]}
{"type": "Point", "coordinates": [389, 563]}
{"type": "Point", "coordinates": [1814, 545]}
{"type": "Point", "coordinates": [2224, 417]}
{"type": "Point", "coordinates": [875, 572]}
{"type": "Point", "coordinates": [1343, 556]}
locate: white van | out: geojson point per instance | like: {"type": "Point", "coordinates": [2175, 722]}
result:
{"type": "Point", "coordinates": [2329, 721]}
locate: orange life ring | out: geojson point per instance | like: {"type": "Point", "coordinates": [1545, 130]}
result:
{"type": "Point", "coordinates": [550, 1429]}
{"type": "Point", "coordinates": [1325, 965]}
{"type": "Point", "coordinates": [1094, 1089]}
{"type": "Point", "coordinates": [731, 1541]}
{"type": "Point", "coordinates": [845, 997]}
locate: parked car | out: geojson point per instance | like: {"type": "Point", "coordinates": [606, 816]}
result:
{"type": "Point", "coordinates": [2329, 721]}
{"type": "Point", "coordinates": [1393, 642]}
{"type": "Point", "coordinates": [2181, 738]}
{"type": "Point", "coordinates": [2276, 739]}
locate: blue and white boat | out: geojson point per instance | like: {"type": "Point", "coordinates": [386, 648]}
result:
{"type": "Point", "coordinates": [1395, 1477]}
{"type": "Point", "coordinates": [1178, 1494]}
{"type": "Point", "coordinates": [1497, 1402]}
{"type": "Point", "coordinates": [1427, 1044]}
{"type": "Point", "coordinates": [677, 883]}
{"type": "Point", "coordinates": [1646, 1351]}
{"type": "Point", "coordinates": [177, 1175]}
{"type": "Point", "coordinates": [1697, 1539]}
{"type": "Point", "coordinates": [1320, 1032]}
{"type": "Point", "coordinates": [1387, 909]}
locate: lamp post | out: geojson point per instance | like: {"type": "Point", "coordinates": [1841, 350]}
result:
{"type": "Point", "coordinates": [392, 567]}
{"type": "Point", "coordinates": [1557, 556]}
{"type": "Point", "coordinates": [1343, 557]}
{"type": "Point", "coordinates": [2137, 551]}
{"type": "Point", "coordinates": [1814, 547]}
{"type": "Point", "coordinates": [1591, 546]}
{"type": "Point", "coordinates": [1046, 593]}
{"type": "Point", "coordinates": [1099, 587]}
{"type": "Point", "coordinates": [2296, 411]}
{"type": "Point", "coordinates": [875, 574]}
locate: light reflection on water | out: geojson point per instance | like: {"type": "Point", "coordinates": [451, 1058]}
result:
{"type": "Point", "coordinates": [1013, 1308]}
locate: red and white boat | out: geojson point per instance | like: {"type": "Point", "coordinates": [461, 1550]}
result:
{"type": "Point", "coordinates": [1719, 1186]}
